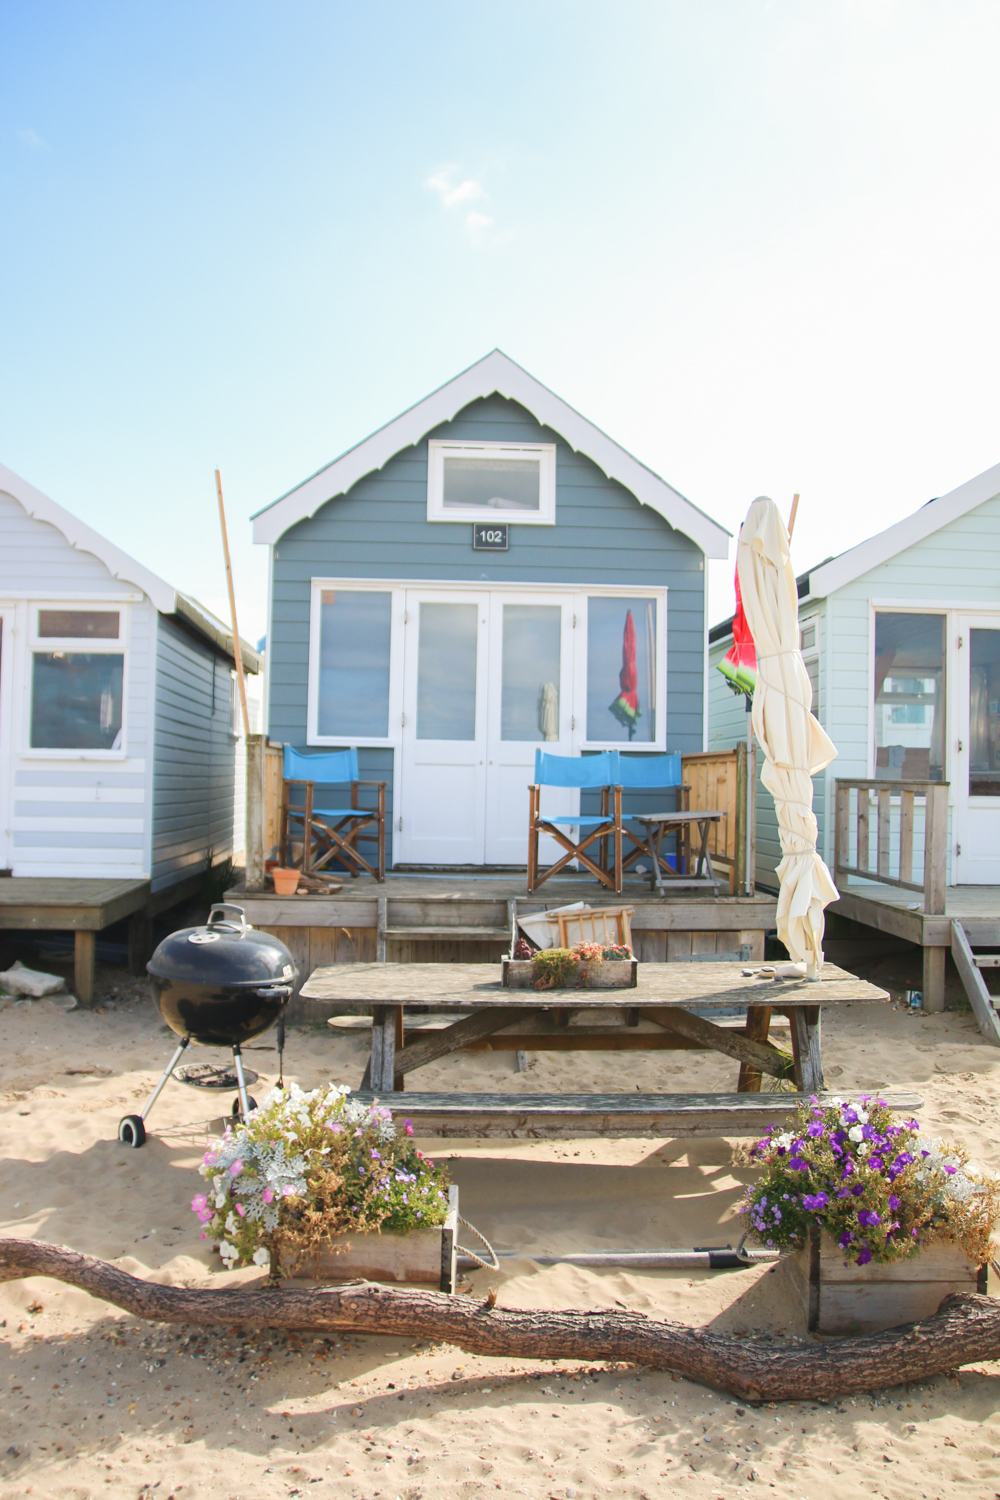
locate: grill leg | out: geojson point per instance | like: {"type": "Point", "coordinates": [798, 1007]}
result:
{"type": "Point", "coordinates": [242, 1083]}
{"type": "Point", "coordinates": [171, 1065]}
{"type": "Point", "coordinates": [281, 1051]}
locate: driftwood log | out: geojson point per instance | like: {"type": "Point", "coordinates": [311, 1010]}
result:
{"type": "Point", "coordinates": [965, 1328]}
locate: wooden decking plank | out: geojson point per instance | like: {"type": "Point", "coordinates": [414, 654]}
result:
{"type": "Point", "coordinates": [64, 903]}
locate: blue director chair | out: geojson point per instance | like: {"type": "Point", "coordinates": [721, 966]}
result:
{"type": "Point", "coordinates": [588, 772]}
{"type": "Point", "coordinates": [331, 831]}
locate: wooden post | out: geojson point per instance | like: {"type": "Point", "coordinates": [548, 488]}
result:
{"type": "Point", "coordinates": [83, 966]}
{"type": "Point", "coordinates": [255, 812]}
{"type": "Point", "coordinates": [906, 836]}
{"type": "Point", "coordinates": [884, 838]}
{"type": "Point", "coordinates": [758, 1024]}
{"type": "Point", "coordinates": [933, 981]}
{"type": "Point", "coordinates": [237, 649]}
{"type": "Point", "coordinates": [864, 803]}
{"type": "Point", "coordinates": [842, 828]}
{"type": "Point", "coordinates": [936, 853]}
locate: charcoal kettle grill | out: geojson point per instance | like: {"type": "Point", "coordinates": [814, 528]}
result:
{"type": "Point", "coordinates": [219, 985]}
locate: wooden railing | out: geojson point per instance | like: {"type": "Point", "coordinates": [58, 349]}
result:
{"type": "Point", "coordinates": [718, 779]}
{"type": "Point", "coordinates": [894, 844]}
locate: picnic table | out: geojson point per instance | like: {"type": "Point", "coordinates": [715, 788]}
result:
{"type": "Point", "coordinates": [423, 1012]}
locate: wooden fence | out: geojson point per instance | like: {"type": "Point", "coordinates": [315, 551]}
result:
{"type": "Point", "coordinates": [895, 807]}
{"type": "Point", "coordinates": [718, 779]}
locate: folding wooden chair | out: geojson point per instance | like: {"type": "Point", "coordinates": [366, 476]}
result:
{"type": "Point", "coordinates": [331, 831]}
{"type": "Point", "coordinates": [588, 772]}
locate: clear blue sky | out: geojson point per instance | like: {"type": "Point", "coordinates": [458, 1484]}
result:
{"type": "Point", "coordinates": [756, 242]}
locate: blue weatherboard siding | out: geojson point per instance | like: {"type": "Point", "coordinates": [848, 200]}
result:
{"type": "Point", "coordinates": [379, 529]}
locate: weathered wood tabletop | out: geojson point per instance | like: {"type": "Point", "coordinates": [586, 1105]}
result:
{"type": "Point", "coordinates": [470, 986]}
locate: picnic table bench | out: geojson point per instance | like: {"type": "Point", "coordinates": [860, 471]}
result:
{"type": "Point", "coordinates": [664, 1012]}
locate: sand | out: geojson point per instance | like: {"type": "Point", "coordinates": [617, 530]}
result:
{"type": "Point", "coordinates": [95, 1403]}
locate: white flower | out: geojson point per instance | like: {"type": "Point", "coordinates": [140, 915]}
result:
{"type": "Point", "coordinates": [261, 1257]}
{"type": "Point", "coordinates": [220, 1200]}
{"type": "Point", "coordinates": [864, 1148]}
{"type": "Point", "coordinates": [227, 1251]}
{"type": "Point", "coordinates": [785, 1139]}
{"type": "Point", "coordinates": [231, 1224]}
{"type": "Point", "coordinates": [855, 1133]}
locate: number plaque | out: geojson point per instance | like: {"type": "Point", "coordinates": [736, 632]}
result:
{"type": "Point", "coordinates": [489, 537]}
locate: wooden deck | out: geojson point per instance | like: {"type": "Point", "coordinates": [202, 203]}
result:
{"type": "Point", "coordinates": [83, 907]}
{"type": "Point", "coordinates": [431, 918]}
{"type": "Point", "coordinates": [891, 909]}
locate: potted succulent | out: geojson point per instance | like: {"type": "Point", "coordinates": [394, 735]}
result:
{"type": "Point", "coordinates": [585, 966]}
{"type": "Point", "coordinates": [320, 1184]}
{"type": "Point", "coordinates": [882, 1221]}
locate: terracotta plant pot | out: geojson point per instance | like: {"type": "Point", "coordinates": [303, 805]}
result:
{"type": "Point", "coordinates": [286, 882]}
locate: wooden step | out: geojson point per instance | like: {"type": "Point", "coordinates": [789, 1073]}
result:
{"type": "Point", "coordinates": [449, 934]}
{"type": "Point", "coordinates": [575, 1116]}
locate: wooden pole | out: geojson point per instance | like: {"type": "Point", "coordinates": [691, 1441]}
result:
{"type": "Point", "coordinates": [791, 518]}
{"type": "Point", "coordinates": [237, 649]}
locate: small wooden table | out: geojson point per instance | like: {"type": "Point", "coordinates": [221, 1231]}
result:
{"type": "Point", "coordinates": [662, 877]}
{"type": "Point", "coordinates": [659, 1014]}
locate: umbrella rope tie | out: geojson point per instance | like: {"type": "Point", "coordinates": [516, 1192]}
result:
{"type": "Point", "coordinates": [488, 1265]}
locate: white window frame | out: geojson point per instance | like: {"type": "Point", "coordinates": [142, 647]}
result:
{"type": "Point", "coordinates": [812, 653]}
{"type": "Point", "coordinates": [438, 449]}
{"type": "Point", "coordinates": [396, 623]}
{"type": "Point", "coordinates": [76, 646]}
{"type": "Point", "coordinates": [658, 745]}
{"type": "Point", "coordinates": [952, 708]}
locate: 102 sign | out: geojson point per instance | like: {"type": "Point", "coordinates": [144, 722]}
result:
{"type": "Point", "coordinates": [489, 537]}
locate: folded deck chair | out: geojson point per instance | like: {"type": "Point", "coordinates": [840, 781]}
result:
{"type": "Point", "coordinates": [329, 830]}
{"type": "Point", "coordinates": [587, 772]}
{"type": "Point", "coordinates": [648, 773]}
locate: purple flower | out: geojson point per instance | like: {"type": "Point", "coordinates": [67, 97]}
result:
{"type": "Point", "coordinates": [845, 1239]}
{"type": "Point", "coordinates": [850, 1115]}
{"type": "Point", "coordinates": [798, 1164]}
{"type": "Point", "coordinates": [864, 1255]}
{"type": "Point", "coordinates": [876, 1163]}
{"type": "Point", "coordinates": [815, 1201]}
{"type": "Point", "coordinates": [858, 1189]}
{"type": "Point", "coordinates": [912, 1125]}
{"type": "Point", "coordinates": [951, 1170]}
{"type": "Point", "coordinates": [893, 1202]}
{"type": "Point", "coordinates": [815, 1129]}
{"type": "Point", "coordinates": [868, 1218]}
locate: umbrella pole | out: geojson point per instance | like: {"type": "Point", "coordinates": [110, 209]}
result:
{"type": "Point", "coordinates": [751, 793]}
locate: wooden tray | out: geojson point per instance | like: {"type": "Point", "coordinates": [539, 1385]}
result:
{"type": "Point", "coordinates": [608, 974]}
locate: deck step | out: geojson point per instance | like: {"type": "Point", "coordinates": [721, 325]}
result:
{"type": "Point", "coordinates": [445, 934]}
{"type": "Point", "coordinates": [573, 1116]}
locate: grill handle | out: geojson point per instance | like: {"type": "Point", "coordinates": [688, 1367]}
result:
{"type": "Point", "coordinates": [222, 921]}
{"type": "Point", "coordinates": [276, 992]}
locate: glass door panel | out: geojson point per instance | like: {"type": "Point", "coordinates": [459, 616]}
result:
{"type": "Point", "coordinates": [530, 662]}
{"type": "Point", "coordinates": [984, 718]}
{"type": "Point", "coordinates": [443, 771]}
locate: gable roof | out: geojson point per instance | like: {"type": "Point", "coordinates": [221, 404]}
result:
{"type": "Point", "coordinates": [838, 571]}
{"type": "Point", "coordinates": [167, 599]}
{"type": "Point", "coordinates": [496, 374]}
{"type": "Point", "coordinates": [835, 573]}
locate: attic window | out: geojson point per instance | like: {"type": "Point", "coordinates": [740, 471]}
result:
{"type": "Point", "coordinates": [492, 481]}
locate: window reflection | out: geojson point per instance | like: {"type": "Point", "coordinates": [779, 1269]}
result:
{"type": "Point", "coordinates": [355, 630]}
{"type": "Point", "coordinates": [76, 700]}
{"type": "Point", "coordinates": [621, 670]}
{"type": "Point", "coordinates": [529, 689]}
{"type": "Point", "coordinates": [909, 697]}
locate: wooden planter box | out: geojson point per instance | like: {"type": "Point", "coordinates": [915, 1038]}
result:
{"type": "Point", "coordinates": [839, 1299]}
{"type": "Point", "coordinates": [608, 974]}
{"type": "Point", "coordinates": [426, 1257]}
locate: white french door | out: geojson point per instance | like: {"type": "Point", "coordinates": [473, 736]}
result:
{"type": "Point", "coordinates": [977, 779]}
{"type": "Point", "coordinates": [530, 707]}
{"type": "Point", "coordinates": [487, 679]}
{"type": "Point", "coordinates": [443, 773]}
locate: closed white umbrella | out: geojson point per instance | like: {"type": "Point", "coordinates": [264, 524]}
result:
{"type": "Point", "coordinates": [795, 744]}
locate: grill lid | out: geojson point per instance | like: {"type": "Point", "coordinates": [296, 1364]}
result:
{"type": "Point", "coordinates": [226, 951]}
